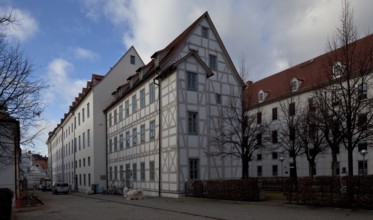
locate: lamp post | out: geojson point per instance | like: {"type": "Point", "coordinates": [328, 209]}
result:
{"type": "Point", "coordinates": [282, 172]}
{"type": "Point", "coordinates": [363, 153]}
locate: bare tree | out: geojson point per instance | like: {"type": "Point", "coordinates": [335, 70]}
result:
{"type": "Point", "coordinates": [289, 130]}
{"type": "Point", "coordinates": [19, 92]}
{"type": "Point", "coordinates": [349, 66]}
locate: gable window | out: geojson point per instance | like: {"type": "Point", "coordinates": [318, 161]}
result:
{"type": "Point", "coordinates": [193, 169]}
{"type": "Point", "coordinates": [192, 81]}
{"type": "Point", "coordinates": [213, 62]}
{"type": "Point", "coordinates": [292, 109]}
{"type": "Point", "coordinates": [218, 98]}
{"type": "Point", "coordinates": [151, 92]}
{"type": "Point", "coordinates": [205, 32]}
{"type": "Point", "coordinates": [362, 91]}
{"type": "Point", "coordinates": [193, 122]}
{"type": "Point", "coordinates": [274, 114]}
{"type": "Point", "coordinates": [133, 59]}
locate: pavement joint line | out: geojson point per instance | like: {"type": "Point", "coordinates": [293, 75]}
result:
{"type": "Point", "coordinates": [150, 207]}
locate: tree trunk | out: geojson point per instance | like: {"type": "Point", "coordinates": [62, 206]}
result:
{"type": "Point", "coordinates": [245, 167]}
{"type": "Point", "coordinates": [350, 162]}
{"type": "Point", "coordinates": [311, 167]}
{"type": "Point", "coordinates": [334, 161]}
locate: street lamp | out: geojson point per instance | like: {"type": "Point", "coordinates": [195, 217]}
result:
{"type": "Point", "coordinates": [282, 167]}
{"type": "Point", "coordinates": [363, 153]}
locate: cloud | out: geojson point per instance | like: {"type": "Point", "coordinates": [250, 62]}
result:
{"type": "Point", "coordinates": [272, 35]}
{"type": "Point", "coordinates": [82, 53]}
{"type": "Point", "coordinates": [25, 26]}
{"type": "Point", "coordinates": [63, 87]}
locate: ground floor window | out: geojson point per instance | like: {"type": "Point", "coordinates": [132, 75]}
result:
{"type": "Point", "coordinates": [274, 170]}
{"type": "Point", "coordinates": [142, 171]}
{"type": "Point", "coordinates": [259, 171]}
{"type": "Point", "coordinates": [151, 170]}
{"type": "Point", "coordinates": [363, 167]}
{"type": "Point", "coordinates": [193, 169]}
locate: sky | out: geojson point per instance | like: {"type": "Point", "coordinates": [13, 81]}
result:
{"type": "Point", "coordinates": [69, 40]}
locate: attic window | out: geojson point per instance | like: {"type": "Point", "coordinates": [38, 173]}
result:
{"type": "Point", "coordinates": [294, 85]}
{"type": "Point", "coordinates": [133, 60]}
{"type": "Point", "coordinates": [205, 32]}
{"type": "Point", "coordinates": [261, 96]}
{"type": "Point", "coordinates": [337, 70]}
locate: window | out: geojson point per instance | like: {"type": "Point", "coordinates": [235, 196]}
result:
{"type": "Point", "coordinates": [142, 171]}
{"type": "Point", "coordinates": [213, 64]}
{"type": "Point", "coordinates": [80, 163]}
{"type": "Point", "coordinates": [87, 110]}
{"type": "Point", "coordinates": [259, 171]}
{"type": "Point", "coordinates": [115, 144]}
{"type": "Point", "coordinates": [259, 157]}
{"type": "Point", "coordinates": [193, 122]}
{"type": "Point", "coordinates": [151, 170]}
{"type": "Point", "coordinates": [311, 105]}
{"type": "Point", "coordinates": [259, 118]}
{"type": "Point", "coordinates": [89, 161]}
{"type": "Point", "coordinates": [134, 172]}
{"type": "Point", "coordinates": [133, 59]}
{"type": "Point", "coordinates": [335, 99]}
{"type": "Point", "coordinates": [274, 137]}
{"type": "Point", "coordinates": [151, 92]}
{"type": "Point", "coordinates": [80, 179]}
{"type": "Point", "coordinates": [89, 179]}
{"type": "Point", "coordinates": [152, 130]}
{"type": "Point", "coordinates": [363, 167]}
{"type": "Point", "coordinates": [337, 70]}
{"type": "Point", "coordinates": [121, 141]}
{"type": "Point", "coordinates": [115, 116]}
{"type": "Point", "coordinates": [120, 112]}
{"type": "Point", "coordinates": [362, 91]}
{"type": "Point", "coordinates": [261, 96]}
{"type": "Point", "coordinates": [192, 81]}
{"type": "Point", "coordinates": [83, 162]}
{"type": "Point", "coordinates": [115, 173]}
{"type": "Point", "coordinates": [127, 108]}
{"type": "Point", "coordinates": [292, 109]}
{"type": "Point", "coordinates": [205, 32]}
{"type": "Point", "coordinates": [83, 114]}
{"type": "Point", "coordinates": [110, 173]}
{"type": "Point", "coordinates": [294, 85]}
{"type": "Point", "coordinates": [134, 136]}
{"type": "Point", "coordinates": [83, 140]}
{"type": "Point", "coordinates": [193, 169]}
{"type": "Point", "coordinates": [110, 117]}
{"type": "Point", "coordinates": [134, 104]}
{"type": "Point", "coordinates": [274, 114]}
{"type": "Point", "coordinates": [80, 147]}
{"type": "Point", "coordinates": [259, 139]}
{"type": "Point", "coordinates": [274, 170]}
{"type": "Point", "coordinates": [127, 139]}
{"type": "Point", "coordinates": [142, 133]}
{"type": "Point", "coordinates": [218, 98]}
{"type": "Point", "coordinates": [274, 155]}
{"type": "Point", "coordinates": [88, 137]}
{"type": "Point", "coordinates": [79, 118]}
{"type": "Point", "coordinates": [362, 121]}
{"type": "Point", "coordinates": [142, 98]}
{"type": "Point", "coordinates": [110, 145]}
{"type": "Point", "coordinates": [74, 122]}
{"type": "Point", "coordinates": [121, 172]}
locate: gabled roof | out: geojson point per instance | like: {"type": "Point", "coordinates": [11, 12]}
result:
{"type": "Point", "coordinates": [313, 74]}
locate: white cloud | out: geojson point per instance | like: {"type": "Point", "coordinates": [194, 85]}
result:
{"type": "Point", "coordinates": [273, 35]}
{"type": "Point", "coordinates": [63, 88]}
{"type": "Point", "coordinates": [25, 26]}
{"type": "Point", "coordinates": [82, 53]}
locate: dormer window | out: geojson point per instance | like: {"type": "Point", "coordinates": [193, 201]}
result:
{"type": "Point", "coordinates": [261, 96]}
{"type": "Point", "coordinates": [295, 84]}
{"type": "Point", "coordinates": [337, 70]}
{"type": "Point", "coordinates": [205, 32]}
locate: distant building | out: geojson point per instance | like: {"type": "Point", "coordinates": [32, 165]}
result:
{"type": "Point", "coordinates": [33, 168]}
{"type": "Point", "coordinates": [162, 121]}
{"type": "Point", "coordinates": [287, 93]}
{"type": "Point", "coordinates": [10, 152]}
{"type": "Point", "coordinates": [76, 147]}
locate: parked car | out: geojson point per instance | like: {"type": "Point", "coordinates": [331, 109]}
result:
{"type": "Point", "coordinates": [60, 187]}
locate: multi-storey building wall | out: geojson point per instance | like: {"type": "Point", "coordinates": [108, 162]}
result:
{"type": "Point", "coordinates": [290, 93]}
{"type": "Point", "coordinates": [77, 146]}
{"type": "Point", "coordinates": [161, 124]}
